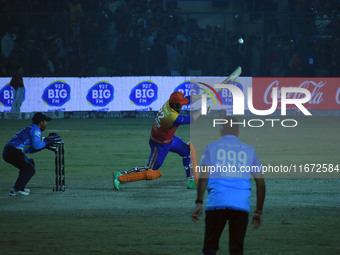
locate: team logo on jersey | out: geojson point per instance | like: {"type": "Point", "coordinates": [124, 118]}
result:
{"type": "Point", "coordinates": [57, 93]}
{"type": "Point", "coordinates": [100, 94]}
{"type": "Point", "coordinates": [7, 96]}
{"type": "Point", "coordinates": [144, 93]}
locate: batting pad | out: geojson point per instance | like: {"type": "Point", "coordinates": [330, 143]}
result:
{"type": "Point", "coordinates": [193, 156]}
{"type": "Point", "coordinates": [145, 175]}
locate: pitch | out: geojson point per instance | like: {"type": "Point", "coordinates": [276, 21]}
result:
{"type": "Point", "coordinates": [153, 217]}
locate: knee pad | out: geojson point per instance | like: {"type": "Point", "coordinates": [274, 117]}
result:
{"type": "Point", "coordinates": [144, 175]}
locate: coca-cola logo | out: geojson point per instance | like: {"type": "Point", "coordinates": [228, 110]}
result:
{"type": "Point", "coordinates": [313, 87]}
{"type": "Point", "coordinates": [337, 96]}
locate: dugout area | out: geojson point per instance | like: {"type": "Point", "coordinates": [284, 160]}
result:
{"type": "Point", "coordinates": [301, 215]}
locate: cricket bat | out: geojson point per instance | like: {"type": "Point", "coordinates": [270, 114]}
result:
{"type": "Point", "coordinates": [233, 76]}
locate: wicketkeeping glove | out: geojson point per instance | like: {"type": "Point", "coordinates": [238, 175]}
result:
{"type": "Point", "coordinates": [52, 139]}
{"type": "Point", "coordinates": [53, 135]}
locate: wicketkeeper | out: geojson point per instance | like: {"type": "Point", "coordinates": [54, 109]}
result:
{"type": "Point", "coordinates": [26, 141]}
{"type": "Point", "coordinates": [162, 140]}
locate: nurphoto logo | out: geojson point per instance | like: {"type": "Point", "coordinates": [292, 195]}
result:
{"type": "Point", "coordinates": [289, 96]}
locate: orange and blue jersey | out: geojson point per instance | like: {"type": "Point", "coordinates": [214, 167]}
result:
{"type": "Point", "coordinates": [166, 124]}
{"type": "Point", "coordinates": [163, 139]}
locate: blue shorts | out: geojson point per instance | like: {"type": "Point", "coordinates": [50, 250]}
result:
{"type": "Point", "coordinates": [159, 152]}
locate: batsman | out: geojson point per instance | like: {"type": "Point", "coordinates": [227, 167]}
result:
{"type": "Point", "coordinates": [162, 140]}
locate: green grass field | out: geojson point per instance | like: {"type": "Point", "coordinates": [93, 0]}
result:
{"type": "Point", "coordinates": [301, 215]}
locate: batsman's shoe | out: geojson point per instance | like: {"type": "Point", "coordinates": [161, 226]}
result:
{"type": "Point", "coordinates": [116, 182]}
{"type": "Point", "coordinates": [14, 193]}
{"type": "Point", "coordinates": [191, 183]}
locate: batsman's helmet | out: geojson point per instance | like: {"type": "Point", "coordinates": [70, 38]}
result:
{"type": "Point", "coordinates": [178, 98]}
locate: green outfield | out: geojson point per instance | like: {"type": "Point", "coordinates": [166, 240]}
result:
{"type": "Point", "coordinates": [301, 215]}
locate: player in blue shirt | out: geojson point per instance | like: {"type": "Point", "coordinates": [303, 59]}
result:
{"type": "Point", "coordinates": [26, 141]}
{"type": "Point", "coordinates": [225, 171]}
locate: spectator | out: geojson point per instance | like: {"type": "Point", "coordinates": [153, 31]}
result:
{"type": "Point", "coordinates": [18, 54]}
{"type": "Point", "coordinates": [47, 66]}
{"type": "Point", "coordinates": [196, 60]}
{"type": "Point", "coordinates": [17, 85]}
{"type": "Point", "coordinates": [255, 56]}
{"type": "Point", "coordinates": [7, 41]}
{"type": "Point", "coordinates": [140, 59]}
{"type": "Point", "coordinates": [34, 51]}
{"type": "Point", "coordinates": [176, 58]}
{"type": "Point", "coordinates": [295, 65]}
{"type": "Point", "coordinates": [76, 14]}
{"type": "Point", "coordinates": [89, 22]}
{"type": "Point", "coordinates": [159, 57]}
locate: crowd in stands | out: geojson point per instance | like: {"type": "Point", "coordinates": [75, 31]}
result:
{"type": "Point", "coordinates": [156, 38]}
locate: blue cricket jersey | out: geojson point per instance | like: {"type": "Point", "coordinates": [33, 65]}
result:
{"type": "Point", "coordinates": [231, 165]}
{"type": "Point", "coordinates": [28, 140]}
